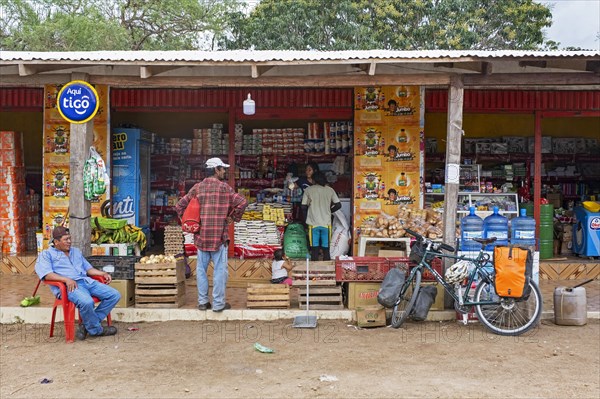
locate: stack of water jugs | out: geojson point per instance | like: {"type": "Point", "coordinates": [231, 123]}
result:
{"type": "Point", "coordinates": [496, 225]}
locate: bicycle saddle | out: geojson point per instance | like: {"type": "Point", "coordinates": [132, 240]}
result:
{"type": "Point", "coordinates": [485, 241]}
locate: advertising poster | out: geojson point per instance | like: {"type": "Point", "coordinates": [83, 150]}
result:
{"type": "Point", "coordinates": [388, 143]}
{"type": "Point", "coordinates": [57, 157]}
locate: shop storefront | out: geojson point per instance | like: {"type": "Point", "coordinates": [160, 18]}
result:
{"type": "Point", "coordinates": [380, 137]}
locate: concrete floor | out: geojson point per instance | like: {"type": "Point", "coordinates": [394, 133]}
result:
{"type": "Point", "coordinates": [14, 287]}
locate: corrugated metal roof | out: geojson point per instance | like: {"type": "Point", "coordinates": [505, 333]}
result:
{"type": "Point", "coordinates": [282, 56]}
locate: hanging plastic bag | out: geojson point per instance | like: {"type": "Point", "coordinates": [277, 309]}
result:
{"type": "Point", "coordinates": [95, 176]}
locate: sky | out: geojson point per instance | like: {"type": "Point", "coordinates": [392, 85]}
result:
{"type": "Point", "coordinates": [575, 23]}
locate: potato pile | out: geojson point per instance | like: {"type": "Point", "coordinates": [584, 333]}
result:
{"type": "Point", "coordinates": [424, 222]}
{"type": "Point", "coordinates": [158, 259]}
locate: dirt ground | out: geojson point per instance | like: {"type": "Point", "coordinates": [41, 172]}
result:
{"type": "Point", "coordinates": [218, 359]}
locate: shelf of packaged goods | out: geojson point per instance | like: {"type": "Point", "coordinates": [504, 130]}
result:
{"type": "Point", "coordinates": [165, 185]}
{"type": "Point", "coordinates": [516, 157]}
{"type": "Point", "coordinates": [161, 210]}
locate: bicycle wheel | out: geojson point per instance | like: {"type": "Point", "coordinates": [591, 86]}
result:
{"type": "Point", "coordinates": [407, 299]}
{"type": "Point", "coordinates": [508, 316]}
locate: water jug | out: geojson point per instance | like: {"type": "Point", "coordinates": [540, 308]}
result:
{"type": "Point", "coordinates": [570, 306]}
{"type": "Point", "coordinates": [471, 226]}
{"type": "Point", "coordinates": [496, 225]}
{"type": "Point", "coordinates": [523, 230]}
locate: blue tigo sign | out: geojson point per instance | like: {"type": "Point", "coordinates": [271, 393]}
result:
{"type": "Point", "coordinates": [78, 101]}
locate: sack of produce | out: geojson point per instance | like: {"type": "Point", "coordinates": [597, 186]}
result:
{"type": "Point", "coordinates": [294, 241]}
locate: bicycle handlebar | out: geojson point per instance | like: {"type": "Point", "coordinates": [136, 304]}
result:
{"type": "Point", "coordinates": [419, 237]}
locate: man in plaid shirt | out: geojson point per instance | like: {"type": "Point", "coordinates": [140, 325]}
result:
{"type": "Point", "coordinates": [220, 205]}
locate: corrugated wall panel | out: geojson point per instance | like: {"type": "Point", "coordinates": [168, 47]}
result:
{"type": "Point", "coordinates": [436, 100]}
{"type": "Point", "coordinates": [21, 99]}
{"type": "Point", "coordinates": [121, 99]}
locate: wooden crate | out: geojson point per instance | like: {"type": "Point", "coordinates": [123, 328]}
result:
{"type": "Point", "coordinates": [268, 296]}
{"type": "Point", "coordinates": [160, 295]}
{"type": "Point", "coordinates": [160, 273]}
{"type": "Point", "coordinates": [319, 273]}
{"type": "Point", "coordinates": [321, 298]}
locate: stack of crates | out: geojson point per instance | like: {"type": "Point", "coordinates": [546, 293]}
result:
{"type": "Point", "coordinates": [14, 212]}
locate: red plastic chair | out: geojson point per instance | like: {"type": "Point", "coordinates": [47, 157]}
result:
{"type": "Point", "coordinates": [69, 309]}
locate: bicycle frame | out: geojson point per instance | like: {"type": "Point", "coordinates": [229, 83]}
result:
{"type": "Point", "coordinates": [479, 261]}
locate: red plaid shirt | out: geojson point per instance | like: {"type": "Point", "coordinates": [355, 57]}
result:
{"type": "Point", "coordinates": [217, 201]}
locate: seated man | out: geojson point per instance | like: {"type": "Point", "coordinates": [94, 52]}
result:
{"type": "Point", "coordinates": [62, 263]}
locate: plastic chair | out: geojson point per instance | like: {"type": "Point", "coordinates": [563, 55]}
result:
{"type": "Point", "coordinates": [69, 309]}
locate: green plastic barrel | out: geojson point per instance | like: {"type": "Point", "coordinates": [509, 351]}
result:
{"type": "Point", "coordinates": [529, 208]}
{"type": "Point", "coordinates": [546, 231]}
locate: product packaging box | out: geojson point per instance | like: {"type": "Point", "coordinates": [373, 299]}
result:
{"type": "Point", "coordinates": [363, 294]}
{"type": "Point", "coordinates": [555, 199]}
{"type": "Point", "coordinates": [115, 249]}
{"type": "Point", "coordinates": [127, 290]}
{"type": "Point", "coordinates": [370, 316]}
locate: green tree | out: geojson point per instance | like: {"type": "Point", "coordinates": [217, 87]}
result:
{"type": "Point", "coordinates": [69, 25]}
{"type": "Point", "coordinates": [391, 24]}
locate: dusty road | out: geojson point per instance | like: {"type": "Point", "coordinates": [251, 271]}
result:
{"type": "Point", "coordinates": [218, 359]}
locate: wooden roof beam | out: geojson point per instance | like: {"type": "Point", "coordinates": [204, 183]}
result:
{"type": "Point", "coordinates": [593, 66]}
{"type": "Point", "coordinates": [257, 71]}
{"type": "Point", "coordinates": [536, 64]}
{"type": "Point", "coordinates": [372, 67]}
{"type": "Point", "coordinates": [479, 67]}
{"type": "Point", "coordinates": [33, 69]}
{"type": "Point", "coordinates": [148, 71]}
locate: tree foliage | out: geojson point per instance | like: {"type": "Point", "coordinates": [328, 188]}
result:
{"type": "Point", "coordinates": [71, 25]}
{"type": "Point", "coordinates": [393, 25]}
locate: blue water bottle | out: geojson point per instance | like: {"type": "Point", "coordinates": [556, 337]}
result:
{"type": "Point", "coordinates": [471, 226]}
{"type": "Point", "coordinates": [523, 230]}
{"type": "Point", "coordinates": [496, 225]}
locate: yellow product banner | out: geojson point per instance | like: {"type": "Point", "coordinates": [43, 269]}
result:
{"type": "Point", "coordinates": [403, 139]}
{"type": "Point", "coordinates": [388, 142]}
{"type": "Point", "coordinates": [56, 204]}
{"type": "Point", "coordinates": [56, 182]}
{"type": "Point", "coordinates": [56, 217]}
{"type": "Point", "coordinates": [57, 160]}
{"type": "Point", "coordinates": [56, 138]}
{"type": "Point", "coordinates": [369, 140]}
{"type": "Point", "coordinates": [366, 163]}
{"type": "Point", "coordinates": [401, 102]}
{"type": "Point", "coordinates": [102, 114]}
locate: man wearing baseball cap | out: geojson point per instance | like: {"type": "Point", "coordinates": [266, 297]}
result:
{"type": "Point", "coordinates": [220, 205]}
{"type": "Point", "coordinates": [66, 264]}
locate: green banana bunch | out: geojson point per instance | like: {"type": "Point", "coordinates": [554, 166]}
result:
{"type": "Point", "coordinates": [30, 300]}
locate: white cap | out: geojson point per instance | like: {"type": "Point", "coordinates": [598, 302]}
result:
{"type": "Point", "coordinates": [215, 162]}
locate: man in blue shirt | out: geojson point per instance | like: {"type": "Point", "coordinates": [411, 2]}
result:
{"type": "Point", "coordinates": [62, 263]}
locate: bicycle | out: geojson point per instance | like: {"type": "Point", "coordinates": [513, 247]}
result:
{"type": "Point", "coordinates": [501, 315]}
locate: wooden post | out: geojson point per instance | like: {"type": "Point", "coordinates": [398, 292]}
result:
{"type": "Point", "coordinates": [453, 149]}
{"type": "Point", "coordinates": [81, 137]}
{"type": "Point", "coordinates": [537, 175]}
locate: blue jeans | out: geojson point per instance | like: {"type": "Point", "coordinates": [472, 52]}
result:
{"type": "Point", "coordinates": [82, 298]}
{"type": "Point", "coordinates": [220, 275]}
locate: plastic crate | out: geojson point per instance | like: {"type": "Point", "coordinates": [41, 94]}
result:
{"type": "Point", "coordinates": [406, 264]}
{"type": "Point", "coordinates": [124, 265]}
{"type": "Point", "coordinates": [361, 268]}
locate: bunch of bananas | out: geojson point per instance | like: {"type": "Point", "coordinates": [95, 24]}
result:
{"type": "Point", "coordinates": [127, 234]}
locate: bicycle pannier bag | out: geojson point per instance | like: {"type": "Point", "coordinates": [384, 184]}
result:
{"type": "Point", "coordinates": [513, 266]}
{"type": "Point", "coordinates": [390, 288]}
{"type": "Point", "coordinates": [190, 221]}
{"type": "Point", "coordinates": [425, 298]}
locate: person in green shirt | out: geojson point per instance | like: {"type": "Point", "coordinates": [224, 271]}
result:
{"type": "Point", "coordinates": [319, 202]}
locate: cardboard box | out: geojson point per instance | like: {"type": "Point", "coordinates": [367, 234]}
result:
{"type": "Point", "coordinates": [127, 290]}
{"type": "Point", "coordinates": [391, 253]}
{"type": "Point", "coordinates": [555, 199]}
{"type": "Point", "coordinates": [115, 249]}
{"type": "Point", "coordinates": [370, 316]}
{"type": "Point", "coordinates": [363, 295]}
